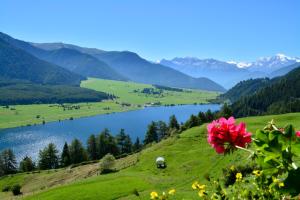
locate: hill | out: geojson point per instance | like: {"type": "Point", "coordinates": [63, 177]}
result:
{"type": "Point", "coordinates": [245, 88]}
{"type": "Point", "coordinates": [80, 63]}
{"type": "Point", "coordinates": [282, 96]}
{"type": "Point", "coordinates": [137, 69]}
{"type": "Point", "coordinates": [18, 64]}
{"type": "Point", "coordinates": [19, 92]}
{"type": "Point", "coordinates": [189, 158]}
{"type": "Point", "coordinates": [70, 59]}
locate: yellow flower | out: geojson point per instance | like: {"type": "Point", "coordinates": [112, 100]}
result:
{"type": "Point", "coordinates": [281, 184]}
{"type": "Point", "coordinates": [201, 193]}
{"type": "Point", "coordinates": [275, 180]}
{"type": "Point", "coordinates": [172, 192]}
{"type": "Point", "coordinates": [153, 195]}
{"type": "Point", "coordinates": [195, 185]}
{"type": "Point", "coordinates": [239, 176]}
{"type": "Point", "coordinates": [232, 168]}
{"type": "Point", "coordinates": [257, 173]}
{"type": "Point", "coordinates": [201, 187]}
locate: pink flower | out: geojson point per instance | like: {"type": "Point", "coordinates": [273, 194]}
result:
{"type": "Point", "coordinates": [224, 135]}
{"type": "Point", "coordinates": [298, 134]}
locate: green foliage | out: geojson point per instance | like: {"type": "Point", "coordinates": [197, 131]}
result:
{"type": "Point", "coordinates": [29, 93]}
{"type": "Point", "coordinates": [107, 164]}
{"type": "Point", "coordinates": [282, 96]}
{"type": "Point", "coordinates": [48, 157]}
{"type": "Point", "coordinates": [8, 163]}
{"type": "Point", "coordinates": [27, 165]}
{"type": "Point", "coordinates": [16, 189]}
{"type": "Point", "coordinates": [65, 156]}
{"type": "Point", "coordinates": [77, 152]}
{"type": "Point", "coordinates": [173, 123]}
{"type": "Point", "coordinates": [92, 147]}
{"type": "Point", "coordinates": [151, 134]}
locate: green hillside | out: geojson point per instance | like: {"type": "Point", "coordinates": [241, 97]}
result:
{"type": "Point", "coordinates": [131, 92]}
{"type": "Point", "coordinates": [282, 96]}
{"type": "Point", "coordinates": [188, 156]}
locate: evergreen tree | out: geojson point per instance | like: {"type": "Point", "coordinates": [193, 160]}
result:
{"type": "Point", "coordinates": [121, 137]}
{"type": "Point", "coordinates": [92, 147]}
{"type": "Point", "coordinates": [162, 130]}
{"type": "Point", "coordinates": [106, 143]}
{"type": "Point", "coordinates": [127, 144]}
{"type": "Point", "coordinates": [137, 145]}
{"type": "Point", "coordinates": [209, 115]}
{"type": "Point", "coordinates": [77, 152]}
{"type": "Point", "coordinates": [27, 165]}
{"type": "Point", "coordinates": [48, 157]}
{"type": "Point", "coordinates": [173, 123]}
{"type": "Point", "coordinates": [225, 111]}
{"type": "Point", "coordinates": [202, 117]}
{"type": "Point", "coordinates": [65, 156]}
{"type": "Point", "coordinates": [8, 163]}
{"type": "Point", "coordinates": [151, 135]}
{"type": "Point", "coordinates": [192, 122]}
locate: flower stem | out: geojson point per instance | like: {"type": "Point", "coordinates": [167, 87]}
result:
{"type": "Point", "coordinates": [242, 148]}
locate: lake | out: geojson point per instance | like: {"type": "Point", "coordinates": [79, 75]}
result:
{"type": "Point", "coordinates": [29, 140]}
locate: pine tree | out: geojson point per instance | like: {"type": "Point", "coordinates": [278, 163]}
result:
{"type": "Point", "coordinates": [127, 144]}
{"type": "Point", "coordinates": [48, 157]}
{"type": "Point", "coordinates": [8, 163]}
{"type": "Point", "coordinates": [202, 117]}
{"type": "Point", "coordinates": [137, 145]}
{"type": "Point", "coordinates": [77, 152]}
{"type": "Point", "coordinates": [151, 135]}
{"type": "Point", "coordinates": [173, 123]}
{"type": "Point", "coordinates": [209, 115]}
{"type": "Point", "coordinates": [65, 156]}
{"type": "Point", "coordinates": [162, 129]}
{"type": "Point", "coordinates": [120, 138]}
{"type": "Point", "coordinates": [27, 165]}
{"type": "Point", "coordinates": [92, 147]}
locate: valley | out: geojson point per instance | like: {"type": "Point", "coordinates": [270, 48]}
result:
{"type": "Point", "coordinates": [23, 115]}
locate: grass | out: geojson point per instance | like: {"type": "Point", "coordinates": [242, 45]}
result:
{"type": "Point", "coordinates": [22, 115]}
{"type": "Point", "coordinates": [188, 157]}
{"type": "Point", "coordinates": [126, 93]}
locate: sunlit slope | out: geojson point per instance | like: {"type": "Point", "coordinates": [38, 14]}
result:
{"type": "Point", "coordinates": [188, 157]}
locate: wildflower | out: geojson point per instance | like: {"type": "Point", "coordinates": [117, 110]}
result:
{"type": "Point", "coordinates": [257, 173]}
{"type": "Point", "coordinates": [201, 193]}
{"type": "Point", "coordinates": [278, 182]}
{"type": "Point", "coordinates": [224, 135]}
{"type": "Point", "coordinates": [172, 192]}
{"type": "Point", "coordinates": [281, 184]}
{"type": "Point", "coordinates": [153, 195]}
{"type": "Point", "coordinates": [232, 168]}
{"type": "Point", "coordinates": [195, 185]}
{"type": "Point", "coordinates": [239, 176]}
{"type": "Point", "coordinates": [298, 134]}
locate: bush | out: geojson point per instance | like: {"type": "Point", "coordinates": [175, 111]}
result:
{"type": "Point", "coordinates": [6, 188]}
{"type": "Point", "coordinates": [107, 164]}
{"type": "Point", "coordinates": [16, 189]}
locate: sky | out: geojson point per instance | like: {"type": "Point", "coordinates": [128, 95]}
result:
{"type": "Point", "coordinates": [240, 30]}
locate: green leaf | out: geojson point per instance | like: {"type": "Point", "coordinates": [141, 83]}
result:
{"type": "Point", "coordinates": [261, 136]}
{"type": "Point", "coordinates": [274, 134]}
{"type": "Point", "coordinates": [289, 131]}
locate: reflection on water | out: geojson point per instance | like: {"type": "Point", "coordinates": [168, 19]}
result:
{"type": "Point", "coordinates": [29, 140]}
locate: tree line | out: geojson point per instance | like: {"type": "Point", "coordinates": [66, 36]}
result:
{"type": "Point", "coordinates": [98, 146]}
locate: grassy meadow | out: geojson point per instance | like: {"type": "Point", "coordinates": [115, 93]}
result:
{"type": "Point", "coordinates": [130, 92]}
{"type": "Point", "coordinates": [188, 156]}
{"type": "Point", "coordinates": [22, 115]}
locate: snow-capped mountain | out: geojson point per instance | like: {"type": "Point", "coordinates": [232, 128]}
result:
{"type": "Point", "coordinates": [268, 64]}
{"type": "Point", "coordinates": [231, 72]}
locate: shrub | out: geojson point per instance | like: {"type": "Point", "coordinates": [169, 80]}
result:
{"type": "Point", "coordinates": [16, 189]}
{"type": "Point", "coordinates": [107, 164]}
{"type": "Point", "coordinates": [6, 188]}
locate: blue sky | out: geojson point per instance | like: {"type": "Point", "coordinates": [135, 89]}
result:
{"type": "Point", "coordinates": [240, 30]}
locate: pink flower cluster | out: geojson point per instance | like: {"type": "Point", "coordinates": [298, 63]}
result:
{"type": "Point", "coordinates": [224, 135]}
{"type": "Point", "coordinates": [298, 134]}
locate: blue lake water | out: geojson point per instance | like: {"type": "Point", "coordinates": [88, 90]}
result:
{"type": "Point", "coordinates": [29, 140]}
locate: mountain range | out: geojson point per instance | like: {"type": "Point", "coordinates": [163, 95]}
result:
{"type": "Point", "coordinates": [230, 73]}
{"type": "Point", "coordinates": [115, 65]}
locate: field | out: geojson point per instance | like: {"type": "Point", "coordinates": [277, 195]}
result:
{"type": "Point", "coordinates": [22, 115]}
{"type": "Point", "coordinates": [188, 157]}
{"type": "Point", "coordinates": [130, 92]}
